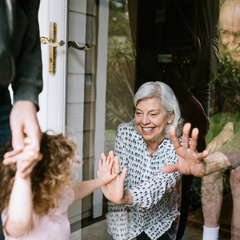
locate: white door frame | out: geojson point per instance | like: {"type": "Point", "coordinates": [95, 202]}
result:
{"type": "Point", "coordinates": [101, 85]}
{"type": "Point", "coordinates": [53, 97]}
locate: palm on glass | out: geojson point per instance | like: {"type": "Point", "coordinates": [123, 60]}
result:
{"type": "Point", "coordinates": [114, 191]}
{"type": "Point", "coordinates": [190, 161]}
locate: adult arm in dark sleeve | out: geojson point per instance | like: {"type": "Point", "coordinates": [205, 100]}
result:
{"type": "Point", "coordinates": [27, 83]}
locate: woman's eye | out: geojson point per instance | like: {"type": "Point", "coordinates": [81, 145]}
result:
{"type": "Point", "coordinates": [225, 33]}
{"type": "Point", "coordinates": [138, 113]}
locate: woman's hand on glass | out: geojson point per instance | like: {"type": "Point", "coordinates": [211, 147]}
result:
{"type": "Point", "coordinates": [114, 190]}
{"type": "Point", "coordinates": [190, 161]}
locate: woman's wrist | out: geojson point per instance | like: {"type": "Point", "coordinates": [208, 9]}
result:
{"type": "Point", "coordinates": [128, 198]}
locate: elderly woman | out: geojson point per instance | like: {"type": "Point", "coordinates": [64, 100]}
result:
{"type": "Point", "coordinates": [147, 206]}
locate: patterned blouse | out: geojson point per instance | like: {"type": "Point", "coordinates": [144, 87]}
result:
{"type": "Point", "coordinates": [156, 194]}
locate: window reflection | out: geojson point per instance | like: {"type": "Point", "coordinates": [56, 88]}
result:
{"type": "Point", "coordinates": [120, 71]}
{"type": "Point", "coordinates": [182, 52]}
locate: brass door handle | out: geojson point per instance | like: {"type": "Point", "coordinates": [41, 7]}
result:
{"type": "Point", "coordinates": [73, 44]}
{"type": "Point", "coordinates": [50, 43]}
{"type": "Point", "coordinates": [53, 44]}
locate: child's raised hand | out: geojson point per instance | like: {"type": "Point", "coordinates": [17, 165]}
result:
{"type": "Point", "coordinates": [114, 190]}
{"type": "Point", "coordinates": [27, 159]}
{"type": "Point", "coordinates": [106, 169]}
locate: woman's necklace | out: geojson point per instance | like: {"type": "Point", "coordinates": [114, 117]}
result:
{"type": "Point", "coordinates": [152, 155]}
{"type": "Point", "coordinates": [152, 151]}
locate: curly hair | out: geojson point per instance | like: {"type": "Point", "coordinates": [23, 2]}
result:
{"type": "Point", "coordinates": [49, 177]}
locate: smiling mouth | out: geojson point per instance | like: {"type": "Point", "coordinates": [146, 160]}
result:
{"type": "Point", "coordinates": [147, 129]}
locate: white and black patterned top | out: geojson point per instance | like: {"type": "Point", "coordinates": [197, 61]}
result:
{"type": "Point", "coordinates": [156, 194]}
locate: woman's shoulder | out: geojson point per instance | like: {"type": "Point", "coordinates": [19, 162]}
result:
{"type": "Point", "coordinates": [126, 126]}
{"type": "Point", "coordinates": [128, 129]}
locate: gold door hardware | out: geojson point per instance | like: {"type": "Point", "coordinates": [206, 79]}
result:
{"type": "Point", "coordinates": [73, 44]}
{"type": "Point", "coordinates": [45, 40]}
{"type": "Point", "coordinates": [53, 44]}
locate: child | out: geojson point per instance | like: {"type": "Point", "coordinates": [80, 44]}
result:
{"type": "Point", "coordinates": [35, 206]}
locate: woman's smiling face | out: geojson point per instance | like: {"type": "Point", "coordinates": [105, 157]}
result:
{"type": "Point", "coordinates": [151, 119]}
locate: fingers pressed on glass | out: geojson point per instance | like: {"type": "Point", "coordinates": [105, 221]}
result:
{"type": "Point", "coordinates": [111, 154]}
{"type": "Point", "coordinates": [103, 156]}
{"type": "Point", "coordinates": [174, 137]}
{"type": "Point", "coordinates": [169, 168]}
{"type": "Point", "coordinates": [185, 135]}
{"type": "Point", "coordinates": [202, 155]}
{"type": "Point", "coordinates": [194, 138]}
{"type": "Point", "coordinates": [100, 163]}
{"type": "Point", "coordinates": [108, 159]}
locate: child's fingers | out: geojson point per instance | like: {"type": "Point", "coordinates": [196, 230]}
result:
{"type": "Point", "coordinates": [111, 154]}
{"type": "Point", "coordinates": [9, 160]}
{"type": "Point", "coordinates": [109, 158]}
{"type": "Point", "coordinates": [103, 156]}
{"type": "Point", "coordinates": [110, 165]}
{"type": "Point", "coordinates": [12, 156]}
{"type": "Point", "coordinates": [103, 159]}
{"type": "Point", "coordinates": [9, 155]}
{"type": "Point", "coordinates": [100, 163]}
{"type": "Point", "coordinates": [21, 156]}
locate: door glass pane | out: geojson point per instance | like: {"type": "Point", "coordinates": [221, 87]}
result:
{"type": "Point", "coordinates": [120, 71]}
{"type": "Point", "coordinates": [183, 44]}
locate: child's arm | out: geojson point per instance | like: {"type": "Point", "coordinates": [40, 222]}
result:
{"type": "Point", "coordinates": [83, 189]}
{"type": "Point", "coordinates": [20, 205]}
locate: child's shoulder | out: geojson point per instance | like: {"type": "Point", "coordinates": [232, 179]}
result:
{"type": "Point", "coordinates": [66, 199]}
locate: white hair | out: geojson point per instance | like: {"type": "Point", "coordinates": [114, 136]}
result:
{"type": "Point", "coordinates": [168, 101]}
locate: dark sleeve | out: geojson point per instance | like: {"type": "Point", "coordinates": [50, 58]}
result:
{"type": "Point", "coordinates": [28, 79]}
